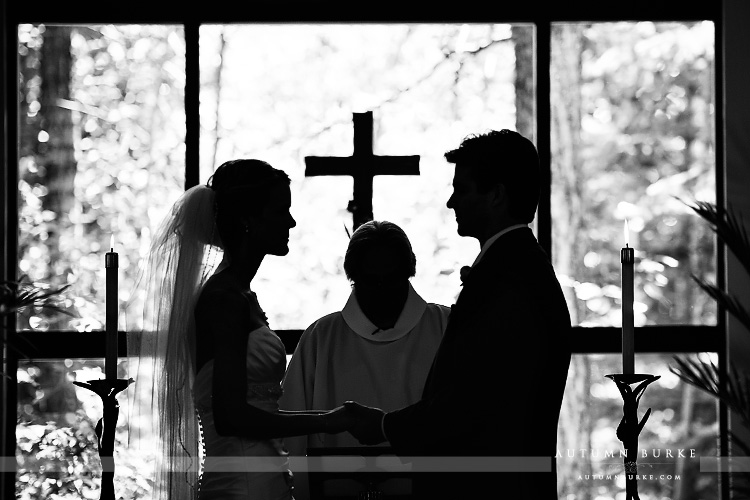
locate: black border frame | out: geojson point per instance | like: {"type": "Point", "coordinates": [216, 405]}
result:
{"type": "Point", "coordinates": [653, 339]}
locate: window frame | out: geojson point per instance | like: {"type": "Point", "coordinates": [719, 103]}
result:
{"type": "Point", "coordinates": [586, 340]}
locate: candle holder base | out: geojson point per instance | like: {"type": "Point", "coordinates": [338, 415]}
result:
{"type": "Point", "coordinates": [107, 390]}
{"type": "Point", "coordinates": [629, 427]}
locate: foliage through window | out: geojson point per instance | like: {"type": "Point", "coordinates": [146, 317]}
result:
{"type": "Point", "coordinates": [632, 134]}
{"type": "Point", "coordinates": [102, 152]}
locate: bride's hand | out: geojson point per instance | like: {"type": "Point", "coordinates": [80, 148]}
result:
{"type": "Point", "coordinates": [338, 420]}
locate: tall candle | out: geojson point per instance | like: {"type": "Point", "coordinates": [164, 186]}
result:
{"type": "Point", "coordinates": [627, 259]}
{"type": "Point", "coordinates": [111, 264]}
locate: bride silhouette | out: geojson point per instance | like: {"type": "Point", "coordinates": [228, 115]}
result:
{"type": "Point", "coordinates": [207, 361]}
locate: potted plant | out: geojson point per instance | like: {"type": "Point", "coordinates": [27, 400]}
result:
{"type": "Point", "coordinates": [705, 374]}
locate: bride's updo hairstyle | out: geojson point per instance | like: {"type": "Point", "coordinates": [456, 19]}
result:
{"type": "Point", "coordinates": [242, 187]}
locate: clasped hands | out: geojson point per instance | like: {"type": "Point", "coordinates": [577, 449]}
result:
{"type": "Point", "coordinates": [362, 422]}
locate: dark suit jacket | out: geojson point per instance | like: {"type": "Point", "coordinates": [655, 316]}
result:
{"type": "Point", "coordinates": [496, 385]}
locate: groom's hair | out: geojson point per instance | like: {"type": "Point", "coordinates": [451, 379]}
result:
{"type": "Point", "coordinates": [378, 234]}
{"type": "Point", "coordinates": [503, 157]}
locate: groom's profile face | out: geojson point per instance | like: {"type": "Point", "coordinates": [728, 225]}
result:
{"type": "Point", "coordinates": [471, 206]}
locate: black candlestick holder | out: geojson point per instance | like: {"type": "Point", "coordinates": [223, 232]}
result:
{"type": "Point", "coordinates": [630, 427]}
{"type": "Point", "coordinates": [107, 390]}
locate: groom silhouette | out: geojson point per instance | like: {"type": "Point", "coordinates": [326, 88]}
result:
{"type": "Point", "coordinates": [492, 398]}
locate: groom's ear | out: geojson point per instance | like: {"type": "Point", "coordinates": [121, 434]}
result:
{"type": "Point", "coordinates": [499, 195]}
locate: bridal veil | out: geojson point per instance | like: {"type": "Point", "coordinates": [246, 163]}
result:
{"type": "Point", "coordinates": [162, 422]}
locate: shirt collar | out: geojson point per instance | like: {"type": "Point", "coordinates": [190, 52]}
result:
{"type": "Point", "coordinates": [494, 238]}
{"type": "Point", "coordinates": [414, 307]}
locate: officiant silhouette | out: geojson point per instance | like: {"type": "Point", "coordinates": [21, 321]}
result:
{"type": "Point", "coordinates": [493, 395]}
{"type": "Point", "coordinates": [377, 349]}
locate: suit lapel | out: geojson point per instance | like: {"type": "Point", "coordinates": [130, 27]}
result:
{"type": "Point", "coordinates": [505, 251]}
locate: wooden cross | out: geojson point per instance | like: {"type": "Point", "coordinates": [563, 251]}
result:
{"type": "Point", "coordinates": [363, 166]}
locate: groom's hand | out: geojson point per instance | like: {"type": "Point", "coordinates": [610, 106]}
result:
{"type": "Point", "coordinates": [338, 420]}
{"type": "Point", "coordinates": [368, 421]}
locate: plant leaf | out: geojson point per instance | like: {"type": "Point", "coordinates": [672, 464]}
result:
{"type": "Point", "coordinates": [727, 301]}
{"type": "Point", "coordinates": [729, 227]}
{"type": "Point", "coordinates": [27, 294]}
{"type": "Point", "coordinates": [737, 441]}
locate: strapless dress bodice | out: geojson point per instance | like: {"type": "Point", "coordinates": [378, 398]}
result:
{"type": "Point", "coordinates": [241, 466]}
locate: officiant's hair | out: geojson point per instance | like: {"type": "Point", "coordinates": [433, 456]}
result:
{"type": "Point", "coordinates": [242, 186]}
{"type": "Point", "coordinates": [503, 157]}
{"type": "Point", "coordinates": [378, 233]}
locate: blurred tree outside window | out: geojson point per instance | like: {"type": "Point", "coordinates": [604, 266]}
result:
{"type": "Point", "coordinates": [633, 133]}
{"type": "Point", "coordinates": [102, 152]}
{"type": "Point", "coordinates": [632, 107]}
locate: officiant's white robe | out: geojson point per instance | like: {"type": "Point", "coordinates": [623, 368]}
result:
{"type": "Point", "coordinates": [340, 358]}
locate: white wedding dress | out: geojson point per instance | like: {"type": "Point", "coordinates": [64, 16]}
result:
{"type": "Point", "coordinates": [243, 468]}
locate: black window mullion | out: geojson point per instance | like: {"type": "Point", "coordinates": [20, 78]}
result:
{"type": "Point", "coordinates": [192, 104]}
{"type": "Point", "coordinates": [648, 339]}
{"type": "Point", "coordinates": [720, 172]}
{"type": "Point", "coordinates": [91, 345]}
{"type": "Point", "coordinates": [543, 132]}
{"type": "Point", "coordinates": [585, 340]}
{"type": "Point", "coordinates": [66, 344]}
{"type": "Point", "coordinates": [8, 389]}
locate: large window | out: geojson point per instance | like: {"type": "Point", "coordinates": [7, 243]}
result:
{"type": "Point", "coordinates": [102, 155]}
{"type": "Point", "coordinates": [627, 119]}
{"type": "Point", "coordinates": [427, 85]}
{"type": "Point", "coordinates": [632, 136]}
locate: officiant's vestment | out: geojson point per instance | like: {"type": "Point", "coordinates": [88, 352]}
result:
{"type": "Point", "coordinates": [496, 385]}
{"type": "Point", "coordinates": [343, 356]}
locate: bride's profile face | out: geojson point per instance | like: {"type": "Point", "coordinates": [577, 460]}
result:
{"type": "Point", "coordinates": [272, 230]}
